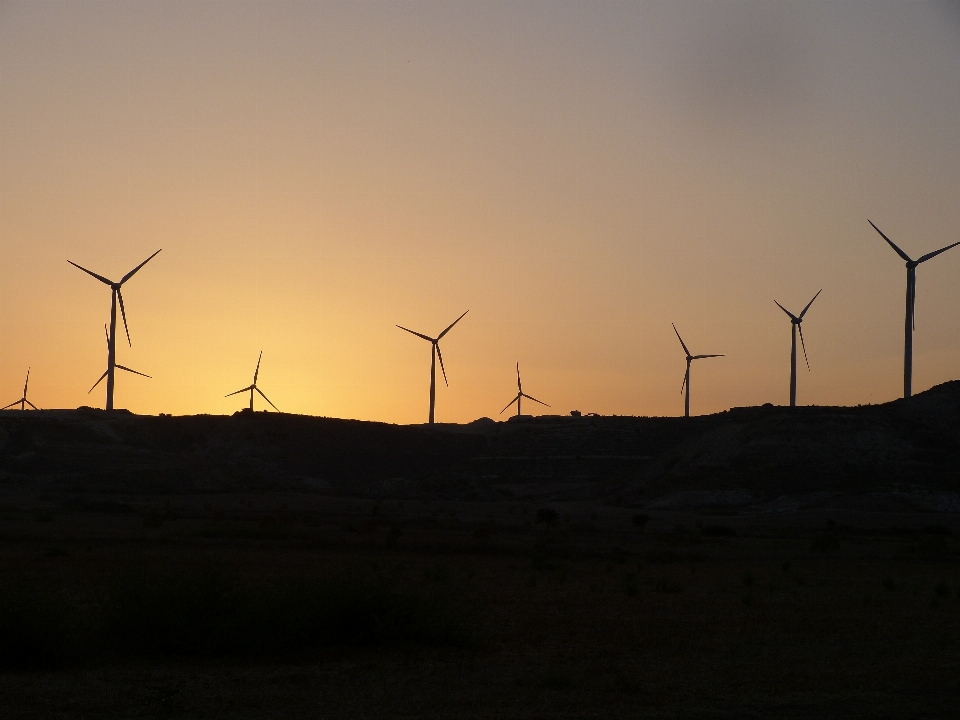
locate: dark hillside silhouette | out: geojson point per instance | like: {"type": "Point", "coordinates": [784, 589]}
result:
{"type": "Point", "coordinates": [753, 455]}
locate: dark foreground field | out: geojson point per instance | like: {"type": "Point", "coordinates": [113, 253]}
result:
{"type": "Point", "coordinates": [255, 567]}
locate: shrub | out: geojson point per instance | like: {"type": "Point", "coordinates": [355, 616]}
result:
{"type": "Point", "coordinates": [548, 516]}
{"type": "Point", "coordinates": [640, 521]}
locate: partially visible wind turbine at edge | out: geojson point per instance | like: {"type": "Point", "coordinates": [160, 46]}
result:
{"type": "Point", "coordinates": [686, 377]}
{"type": "Point", "coordinates": [521, 394]}
{"type": "Point", "coordinates": [250, 388]}
{"type": "Point", "coordinates": [112, 335]}
{"type": "Point", "coordinates": [795, 321]}
{"type": "Point", "coordinates": [22, 401]}
{"type": "Point", "coordinates": [434, 354]}
{"type": "Point", "coordinates": [910, 322]}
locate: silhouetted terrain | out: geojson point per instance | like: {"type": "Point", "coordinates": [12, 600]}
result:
{"type": "Point", "coordinates": [744, 457]}
{"type": "Point", "coordinates": [762, 562]}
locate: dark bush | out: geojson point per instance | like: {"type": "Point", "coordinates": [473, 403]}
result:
{"type": "Point", "coordinates": [548, 516]}
{"type": "Point", "coordinates": [640, 521]}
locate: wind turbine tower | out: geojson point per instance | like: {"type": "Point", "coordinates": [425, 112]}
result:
{"type": "Point", "coordinates": [23, 401]}
{"type": "Point", "coordinates": [112, 335]}
{"type": "Point", "coordinates": [434, 354]}
{"type": "Point", "coordinates": [795, 321]}
{"type": "Point", "coordinates": [686, 377]}
{"type": "Point", "coordinates": [117, 365]}
{"type": "Point", "coordinates": [521, 394]}
{"type": "Point", "coordinates": [910, 324]}
{"type": "Point", "coordinates": [253, 386]}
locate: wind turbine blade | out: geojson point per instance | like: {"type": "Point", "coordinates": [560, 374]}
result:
{"type": "Point", "coordinates": [135, 372]}
{"type": "Point", "coordinates": [106, 334]}
{"type": "Point", "coordinates": [133, 272]}
{"type": "Point", "coordinates": [98, 381]}
{"type": "Point", "coordinates": [810, 303]}
{"type": "Point", "coordinates": [101, 278]}
{"type": "Point", "coordinates": [701, 357]}
{"type": "Point", "coordinates": [900, 252]}
{"type": "Point", "coordinates": [451, 325]}
{"type": "Point", "coordinates": [681, 340]}
{"type": "Point", "coordinates": [519, 386]}
{"type": "Point", "coordinates": [924, 258]}
{"type": "Point", "coordinates": [530, 397]}
{"type": "Point", "coordinates": [123, 314]}
{"type": "Point", "coordinates": [804, 346]}
{"type": "Point", "coordinates": [246, 389]}
{"type": "Point", "coordinates": [439, 355]}
{"type": "Point", "coordinates": [30, 404]}
{"type": "Point", "coordinates": [501, 412]}
{"type": "Point", "coordinates": [257, 371]}
{"type": "Point", "coordinates": [420, 335]}
{"type": "Point", "coordinates": [267, 399]}
{"type": "Point", "coordinates": [683, 384]}
{"type": "Point", "coordinates": [19, 401]}
{"type": "Point", "coordinates": [26, 382]}
{"type": "Point", "coordinates": [792, 316]}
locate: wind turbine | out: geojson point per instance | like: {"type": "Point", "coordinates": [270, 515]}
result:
{"type": "Point", "coordinates": [107, 374]}
{"type": "Point", "coordinates": [112, 335]}
{"type": "Point", "coordinates": [795, 321]}
{"type": "Point", "coordinates": [686, 377]}
{"type": "Point", "coordinates": [253, 387]}
{"type": "Point", "coordinates": [23, 401]}
{"type": "Point", "coordinates": [910, 322]}
{"type": "Point", "coordinates": [521, 394]}
{"type": "Point", "coordinates": [434, 354]}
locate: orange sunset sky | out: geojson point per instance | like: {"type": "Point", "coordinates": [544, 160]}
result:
{"type": "Point", "coordinates": [577, 175]}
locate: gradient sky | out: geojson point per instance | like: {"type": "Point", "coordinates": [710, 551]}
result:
{"type": "Point", "coordinates": [577, 175]}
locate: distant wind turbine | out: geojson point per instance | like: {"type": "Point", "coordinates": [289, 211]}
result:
{"type": "Point", "coordinates": [106, 373]}
{"type": "Point", "coordinates": [112, 335]}
{"type": "Point", "coordinates": [23, 401]}
{"type": "Point", "coordinates": [434, 354]}
{"type": "Point", "coordinates": [686, 377]}
{"type": "Point", "coordinates": [253, 387]}
{"type": "Point", "coordinates": [521, 394]}
{"type": "Point", "coordinates": [795, 321]}
{"type": "Point", "coordinates": [910, 321]}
